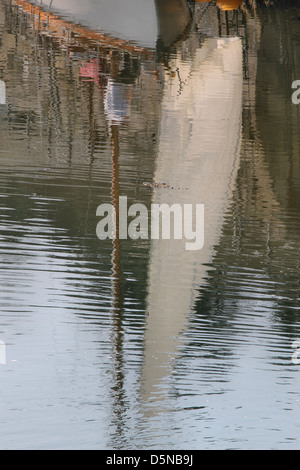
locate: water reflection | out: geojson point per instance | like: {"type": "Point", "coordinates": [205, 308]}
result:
{"type": "Point", "coordinates": [141, 344]}
{"type": "Point", "coordinates": [200, 128]}
{"type": "Point", "coordinates": [2, 93]}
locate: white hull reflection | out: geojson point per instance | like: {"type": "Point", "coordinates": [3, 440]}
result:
{"type": "Point", "coordinates": [137, 21]}
{"type": "Point", "coordinates": [3, 105]}
{"type": "Point", "coordinates": [200, 131]}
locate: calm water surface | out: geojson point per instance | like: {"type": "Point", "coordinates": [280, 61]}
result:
{"type": "Point", "coordinates": [141, 344]}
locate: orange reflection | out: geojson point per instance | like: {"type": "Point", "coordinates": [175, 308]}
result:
{"type": "Point", "coordinates": [229, 4]}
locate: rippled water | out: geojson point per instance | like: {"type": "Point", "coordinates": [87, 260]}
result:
{"type": "Point", "coordinates": [142, 344]}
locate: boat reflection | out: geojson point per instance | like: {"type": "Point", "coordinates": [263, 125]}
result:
{"type": "Point", "coordinates": [225, 5]}
{"type": "Point", "coordinates": [137, 22]}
